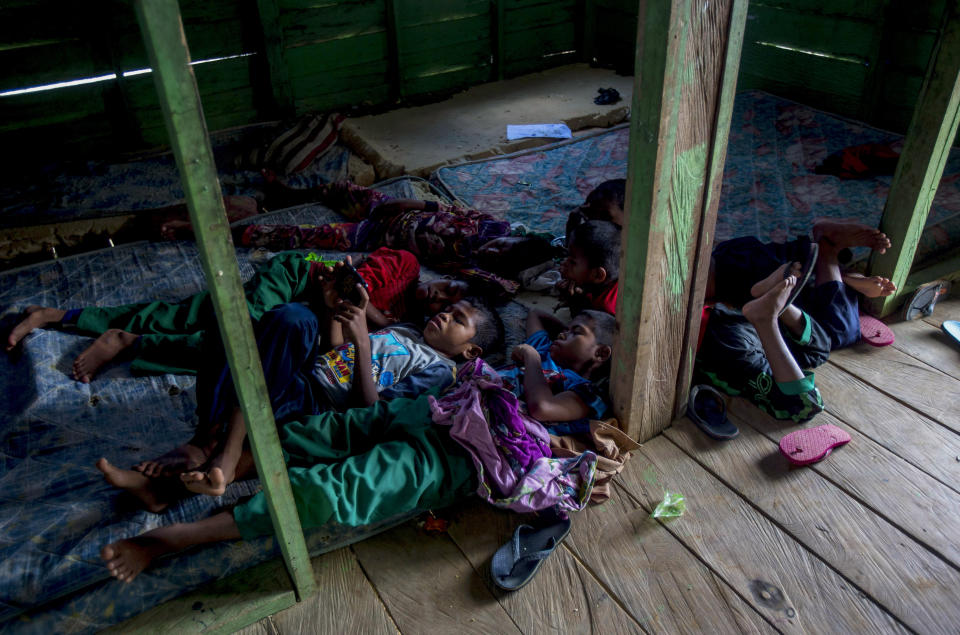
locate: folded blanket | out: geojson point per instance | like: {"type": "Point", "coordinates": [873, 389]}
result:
{"type": "Point", "coordinates": [510, 450]}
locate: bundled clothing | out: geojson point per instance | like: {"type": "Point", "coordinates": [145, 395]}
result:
{"type": "Point", "coordinates": [611, 446]}
{"type": "Point", "coordinates": [171, 333]}
{"type": "Point", "coordinates": [510, 450]}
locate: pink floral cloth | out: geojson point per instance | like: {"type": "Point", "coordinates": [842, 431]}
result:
{"type": "Point", "coordinates": [510, 450]}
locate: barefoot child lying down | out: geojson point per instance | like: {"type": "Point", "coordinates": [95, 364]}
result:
{"type": "Point", "coordinates": [765, 351]}
{"type": "Point", "coordinates": [368, 464]}
{"type": "Point", "coordinates": [166, 337]}
{"type": "Point", "coordinates": [359, 370]}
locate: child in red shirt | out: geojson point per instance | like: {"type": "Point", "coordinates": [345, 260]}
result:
{"type": "Point", "coordinates": [592, 267]}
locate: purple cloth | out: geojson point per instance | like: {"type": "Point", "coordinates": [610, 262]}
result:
{"type": "Point", "coordinates": [510, 450]}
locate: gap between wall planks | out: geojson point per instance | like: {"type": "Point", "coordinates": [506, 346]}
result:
{"type": "Point", "coordinates": [176, 86]}
{"type": "Point", "coordinates": [683, 92]}
{"type": "Point", "coordinates": [925, 150]}
{"type": "Point", "coordinates": [281, 94]}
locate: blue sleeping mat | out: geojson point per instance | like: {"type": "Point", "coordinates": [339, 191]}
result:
{"type": "Point", "coordinates": [56, 511]}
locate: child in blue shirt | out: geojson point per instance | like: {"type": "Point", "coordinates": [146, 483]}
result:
{"type": "Point", "coordinates": [559, 379]}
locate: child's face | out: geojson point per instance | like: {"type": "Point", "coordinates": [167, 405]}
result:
{"type": "Point", "coordinates": [576, 267]}
{"type": "Point", "coordinates": [576, 345]}
{"type": "Point", "coordinates": [436, 295]}
{"type": "Point", "coordinates": [451, 330]}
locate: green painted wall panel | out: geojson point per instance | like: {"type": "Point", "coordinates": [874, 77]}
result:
{"type": "Point", "coordinates": [325, 57]}
{"type": "Point", "coordinates": [825, 34]}
{"type": "Point", "coordinates": [337, 22]}
{"type": "Point", "coordinates": [414, 12]}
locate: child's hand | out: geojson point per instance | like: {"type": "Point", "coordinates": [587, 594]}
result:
{"type": "Point", "coordinates": [568, 289]}
{"type": "Point", "coordinates": [522, 352]}
{"type": "Point", "coordinates": [331, 298]}
{"type": "Point", "coordinates": [353, 319]}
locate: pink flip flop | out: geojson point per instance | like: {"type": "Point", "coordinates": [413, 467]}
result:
{"type": "Point", "coordinates": [810, 445]}
{"type": "Point", "coordinates": [875, 332]}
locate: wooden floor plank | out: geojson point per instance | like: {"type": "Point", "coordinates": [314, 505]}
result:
{"type": "Point", "coordinates": [428, 585]}
{"type": "Point", "coordinates": [221, 607]}
{"type": "Point", "coordinates": [909, 380]}
{"type": "Point", "coordinates": [660, 582]}
{"type": "Point", "coordinates": [781, 578]}
{"type": "Point", "coordinates": [946, 309]}
{"type": "Point", "coordinates": [345, 603]}
{"type": "Point", "coordinates": [563, 598]}
{"type": "Point", "coordinates": [907, 497]}
{"type": "Point", "coordinates": [897, 572]}
{"type": "Point", "coordinates": [929, 344]}
{"type": "Point", "coordinates": [910, 435]}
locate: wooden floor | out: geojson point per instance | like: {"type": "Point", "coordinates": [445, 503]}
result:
{"type": "Point", "coordinates": [866, 541]}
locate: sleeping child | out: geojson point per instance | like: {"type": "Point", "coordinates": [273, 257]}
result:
{"type": "Point", "coordinates": [165, 337]}
{"type": "Point", "coordinates": [360, 369]}
{"type": "Point", "coordinates": [369, 464]}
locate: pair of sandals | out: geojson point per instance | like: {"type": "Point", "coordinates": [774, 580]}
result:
{"type": "Point", "coordinates": [708, 411]}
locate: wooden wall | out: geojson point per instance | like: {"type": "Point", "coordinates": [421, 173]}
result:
{"type": "Point", "coordinates": [860, 58]}
{"type": "Point", "coordinates": [336, 54]}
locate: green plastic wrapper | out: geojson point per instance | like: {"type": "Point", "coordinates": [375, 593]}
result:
{"type": "Point", "coordinates": [672, 506]}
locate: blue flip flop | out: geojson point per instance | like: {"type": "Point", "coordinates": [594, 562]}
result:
{"type": "Point", "coordinates": [515, 563]}
{"type": "Point", "coordinates": [952, 328]}
{"type": "Point", "coordinates": [707, 409]}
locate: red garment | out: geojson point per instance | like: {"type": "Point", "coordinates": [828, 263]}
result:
{"type": "Point", "coordinates": [388, 274]}
{"type": "Point", "coordinates": [605, 299]}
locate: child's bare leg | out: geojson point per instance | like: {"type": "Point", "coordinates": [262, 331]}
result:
{"type": "Point", "coordinates": [104, 349]}
{"type": "Point", "coordinates": [127, 558]}
{"type": "Point", "coordinates": [871, 287]}
{"type": "Point", "coordinates": [223, 466]}
{"type": "Point", "coordinates": [150, 491]}
{"type": "Point", "coordinates": [775, 278]}
{"type": "Point", "coordinates": [37, 317]}
{"type": "Point", "coordinates": [184, 458]}
{"type": "Point", "coordinates": [842, 234]}
{"type": "Point", "coordinates": [763, 315]}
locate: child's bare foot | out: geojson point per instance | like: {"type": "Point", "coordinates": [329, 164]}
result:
{"type": "Point", "coordinates": [134, 483]}
{"type": "Point", "coordinates": [36, 317]}
{"type": "Point", "coordinates": [777, 276]}
{"type": "Point", "coordinates": [871, 287]}
{"type": "Point", "coordinates": [767, 307]}
{"type": "Point", "coordinates": [184, 458]}
{"type": "Point", "coordinates": [841, 234]}
{"type": "Point", "coordinates": [127, 558]}
{"type": "Point", "coordinates": [211, 483]}
{"type": "Point", "coordinates": [176, 230]}
{"type": "Point", "coordinates": [104, 349]}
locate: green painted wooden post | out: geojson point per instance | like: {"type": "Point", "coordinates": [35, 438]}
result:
{"type": "Point", "coordinates": [925, 151]}
{"type": "Point", "coordinates": [718, 154]}
{"type": "Point", "coordinates": [276, 60]}
{"type": "Point", "coordinates": [661, 35]}
{"type": "Point", "coordinates": [166, 44]}
{"type": "Point", "coordinates": [395, 47]}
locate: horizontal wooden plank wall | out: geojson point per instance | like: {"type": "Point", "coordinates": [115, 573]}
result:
{"type": "Point", "coordinates": [336, 55]}
{"type": "Point", "coordinates": [861, 59]}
